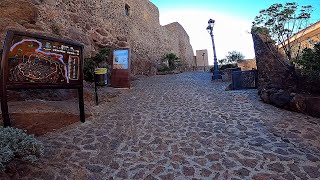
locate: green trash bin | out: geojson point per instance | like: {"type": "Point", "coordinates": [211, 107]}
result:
{"type": "Point", "coordinates": [100, 76]}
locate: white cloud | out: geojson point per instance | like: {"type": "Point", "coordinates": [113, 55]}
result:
{"type": "Point", "coordinates": [230, 33]}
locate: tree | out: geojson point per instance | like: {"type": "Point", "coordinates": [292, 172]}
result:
{"type": "Point", "coordinates": [234, 56]}
{"type": "Point", "coordinates": [222, 61]}
{"type": "Point", "coordinates": [282, 21]}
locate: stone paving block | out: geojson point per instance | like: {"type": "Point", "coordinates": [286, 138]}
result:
{"type": "Point", "coordinates": [182, 126]}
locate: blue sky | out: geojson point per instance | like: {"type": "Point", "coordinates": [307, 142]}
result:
{"type": "Point", "coordinates": [233, 21]}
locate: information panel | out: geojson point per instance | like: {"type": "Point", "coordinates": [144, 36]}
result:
{"type": "Point", "coordinates": [121, 59]}
{"type": "Point", "coordinates": [120, 76]}
{"type": "Point", "coordinates": [34, 61]}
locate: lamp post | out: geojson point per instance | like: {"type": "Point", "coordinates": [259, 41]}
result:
{"type": "Point", "coordinates": [216, 72]}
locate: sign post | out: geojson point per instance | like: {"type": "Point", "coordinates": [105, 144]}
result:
{"type": "Point", "coordinates": [120, 76]}
{"type": "Point", "coordinates": [31, 61]}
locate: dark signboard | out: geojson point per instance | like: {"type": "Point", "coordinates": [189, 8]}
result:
{"type": "Point", "coordinates": [120, 76]}
{"type": "Point", "coordinates": [33, 61]}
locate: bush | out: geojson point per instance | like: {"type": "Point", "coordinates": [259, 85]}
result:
{"type": "Point", "coordinates": [309, 62]}
{"type": "Point", "coordinates": [172, 62]}
{"type": "Point", "coordinates": [88, 69]}
{"type": "Point", "coordinates": [308, 70]}
{"type": "Point", "coordinates": [99, 60]}
{"type": "Point", "coordinates": [15, 144]}
{"type": "Point", "coordinates": [166, 68]}
{"type": "Point", "coordinates": [226, 66]}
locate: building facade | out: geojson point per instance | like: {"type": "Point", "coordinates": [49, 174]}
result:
{"type": "Point", "coordinates": [305, 38]}
{"type": "Point", "coordinates": [201, 60]}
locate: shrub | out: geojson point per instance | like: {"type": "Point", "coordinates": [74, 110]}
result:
{"type": "Point", "coordinates": [172, 61]}
{"type": "Point", "coordinates": [165, 68]}
{"type": "Point", "coordinates": [88, 69]}
{"type": "Point", "coordinates": [99, 60]}
{"type": "Point", "coordinates": [15, 144]}
{"type": "Point", "coordinates": [226, 66]}
{"type": "Point", "coordinates": [308, 70]}
{"type": "Point", "coordinates": [309, 62]}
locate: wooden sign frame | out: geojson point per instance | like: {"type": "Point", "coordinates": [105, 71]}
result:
{"type": "Point", "coordinates": [46, 67]}
{"type": "Point", "coordinates": [120, 75]}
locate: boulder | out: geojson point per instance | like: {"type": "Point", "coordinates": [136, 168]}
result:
{"type": "Point", "coordinates": [280, 99]}
{"type": "Point", "coordinates": [265, 96]}
{"type": "Point", "coordinates": [313, 106]}
{"type": "Point", "coordinates": [298, 103]}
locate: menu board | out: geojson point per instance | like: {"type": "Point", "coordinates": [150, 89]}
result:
{"type": "Point", "coordinates": [37, 60]}
{"type": "Point", "coordinates": [121, 59]}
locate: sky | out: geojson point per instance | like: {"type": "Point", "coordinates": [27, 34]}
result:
{"type": "Point", "coordinates": [233, 21]}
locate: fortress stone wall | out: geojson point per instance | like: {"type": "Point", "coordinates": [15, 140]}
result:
{"type": "Point", "coordinates": [102, 23]}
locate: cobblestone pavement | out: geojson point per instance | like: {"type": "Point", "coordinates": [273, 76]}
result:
{"type": "Point", "coordinates": [183, 127]}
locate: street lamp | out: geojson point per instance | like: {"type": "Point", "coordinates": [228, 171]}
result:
{"type": "Point", "coordinates": [216, 72]}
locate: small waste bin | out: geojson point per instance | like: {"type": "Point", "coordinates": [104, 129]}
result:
{"type": "Point", "coordinates": [100, 79]}
{"type": "Point", "coordinates": [100, 76]}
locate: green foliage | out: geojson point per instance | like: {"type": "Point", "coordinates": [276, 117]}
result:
{"type": "Point", "coordinates": [91, 63]}
{"type": "Point", "coordinates": [226, 66]}
{"type": "Point", "coordinates": [222, 61]}
{"type": "Point", "coordinates": [15, 144]}
{"type": "Point", "coordinates": [102, 55]}
{"type": "Point", "coordinates": [281, 21]}
{"type": "Point", "coordinates": [166, 68]}
{"type": "Point", "coordinates": [88, 69]}
{"type": "Point", "coordinates": [234, 56]}
{"type": "Point", "coordinates": [173, 62]}
{"type": "Point", "coordinates": [309, 61]}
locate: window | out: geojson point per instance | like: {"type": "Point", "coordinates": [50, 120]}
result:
{"type": "Point", "coordinates": [127, 9]}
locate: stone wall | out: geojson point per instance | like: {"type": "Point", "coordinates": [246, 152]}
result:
{"type": "Point", "coordinates": [101, 23]}
{"type": "Point", "coordinates": [277, 80]}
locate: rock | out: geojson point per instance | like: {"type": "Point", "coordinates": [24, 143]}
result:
{"type": "Point", "coordinates": [96, 37]}
{"type": "Point", "coordinates": [123, 44]}
{"type": "Point", "coordinates": [188, 171]}
{"type": "Point", "coordinates": [36, 2]}
{"type": "Point", "coordinates": [298, 103]}
{"type": "Point", "coordinates": [280, 99]}
{"type": "Point", "coordinates": [122, 38]}
{"type": "Point", "coordinates": [205, 172]}
{"type": "Point", "coordinates": [313, 172]}
{"type": "Point", "coordinates": [277, 167]}
{"type": "Point", "coordinates": [313, 106]}
{"type": "Point", "coordinates": [229, 88]}
{"type": "Point", "coordinates": [19, 11]}
{"type": "Point", "coordinates": [103, 32]}
{"type": "Point", "coordinates": [265, 96]}
{"type": "Point", "coordinates": [94, 168]}
{"type": "Point", "coordinates": [75, 18]}
{"type": "Point", "coordinates": [243, 172]}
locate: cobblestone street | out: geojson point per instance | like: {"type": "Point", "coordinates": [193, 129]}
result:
{"type": "Point", "coordinates": [183, 126]}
